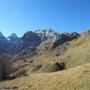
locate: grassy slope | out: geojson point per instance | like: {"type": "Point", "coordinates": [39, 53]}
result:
{"type": "Point", "coordinates": [77, 78]}
{"type": "Point", "coordinates": [72, 79]}
{"type": "Point", "coordinates": [79, 52]}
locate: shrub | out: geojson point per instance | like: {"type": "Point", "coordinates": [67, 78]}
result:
{"type": "Point", "coordinates": [6, 66]}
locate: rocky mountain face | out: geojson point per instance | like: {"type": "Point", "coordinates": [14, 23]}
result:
{"type": "Point", "coordinates": [13, 38]}
{"type": "Point", "coordinates": [35, 42]}
{"type": "Point", "coordinates": [60, 44]}
{"type": "Point", "coordinates": [4, 44]}
{"type": "Point", "coordinates": [32, 40]}
{"type": "Point", "coordinates": [2, 37]}
{"type": "Point", "coordinates": [47, 34]}
{"type": "Point", "coordinates": [28, 43]}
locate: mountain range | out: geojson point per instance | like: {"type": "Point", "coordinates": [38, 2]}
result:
{"type": "Point", "coordinates": [45, 60]}
{"type": "Point", "coordinates": [31, 42]}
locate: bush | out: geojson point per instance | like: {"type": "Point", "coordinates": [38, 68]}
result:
{"type": "Point", "coordinates": [6, 66]}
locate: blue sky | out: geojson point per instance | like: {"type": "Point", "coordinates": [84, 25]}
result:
{"type": "Point", "coordinates": [20, 16]}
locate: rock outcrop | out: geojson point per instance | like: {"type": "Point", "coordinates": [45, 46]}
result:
{"type": "Point", "coordinates": [60, 44]}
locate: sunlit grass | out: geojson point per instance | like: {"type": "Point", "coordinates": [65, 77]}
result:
{"type": "Point", "coordinates": [72, 79]}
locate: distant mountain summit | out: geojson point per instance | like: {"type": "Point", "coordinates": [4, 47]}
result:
{"type": "Point", "coordinates": [33, 42]}
{"type": "Point", "coordinates": [4, 44]}
{"type": "Point", "coordinates": [13, 38]}
{"type": "Point", "coordinates": [28, 42]}
{"type": "Point", "coordinates": [2, 37]}
{"type": "Point", "coordinates": [47, 33]}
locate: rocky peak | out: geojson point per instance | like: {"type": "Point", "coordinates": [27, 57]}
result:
{"type": "Point", "coordinates": [47, 34]}
{"type": "Point", "coordinates": [71, 35]}
{"type": "Point", "coordinates": [2, 37]}
{"type": "Point", "coordinates": [61, 42]}
{"type": "Point", "coordinates": [30, 36]}
{"type": "Point", "coordinates": [13, 38]}
{"type": "Point", "coordinates": [45, 31]}
{"type": "Point", "coordinates": [14, 35]}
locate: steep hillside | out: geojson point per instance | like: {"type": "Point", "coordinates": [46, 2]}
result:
{"type": "Point", "coordinates": [72, 79]}
{"type": "Point", "coordinates": [70, 52]}
{"type": "Point", "coordinates": [50, 52]}
{"type": "Point", "coordinates": [79, 51]}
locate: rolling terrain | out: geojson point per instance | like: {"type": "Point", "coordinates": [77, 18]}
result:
{"type": "Point", "coordinates": [63, 64]}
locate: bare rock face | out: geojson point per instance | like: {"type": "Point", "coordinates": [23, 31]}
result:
{"type": "Point", "coordinates": [27, 43]}
{"type": "Point", "coordinates": [32, 43]}
{"type": "Point", "coordinates": [31, 36]}
{"type": "Point", "coordinates": [47, 34]}
{"type": "Point", "coordinates": [60, 44]}
{"type": "Point", "coordinates": [2, 37]}
{"type": "Point", "coordinates": [65, 37]}
{"type": "Point", "coordinates": [31, 40]}
{"type": "Point", "coordinates": [13, 38]}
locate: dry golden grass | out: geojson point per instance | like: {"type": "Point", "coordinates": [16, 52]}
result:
{"type": "Point", "coordinates": [44, 61]}
{"type": "Point", "coordinates": [79, 52]}
{"type": "Point", "coordinates": [72, 79]}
